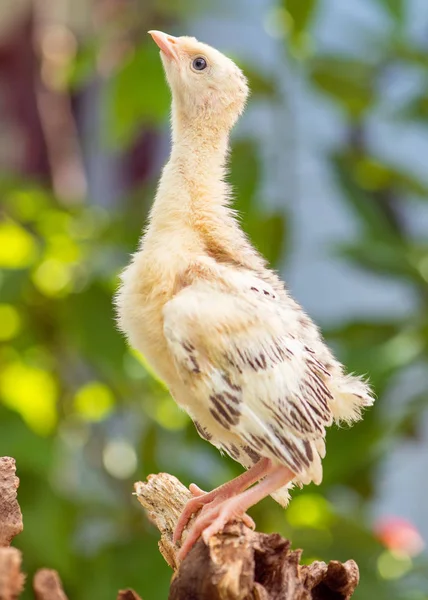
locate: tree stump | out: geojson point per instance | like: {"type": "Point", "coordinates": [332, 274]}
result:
{"type": "Point", "coordinates": [238, 564]}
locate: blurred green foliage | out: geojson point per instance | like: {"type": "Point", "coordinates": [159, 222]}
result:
{"type": "Point", "coordinates": [82, 413]}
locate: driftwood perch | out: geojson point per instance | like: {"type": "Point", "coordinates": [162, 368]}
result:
{"type": "Point", "coordinates": [238, 564]}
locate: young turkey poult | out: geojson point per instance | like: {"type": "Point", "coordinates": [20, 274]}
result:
{"type": "Point", "coordinates": [217, 325]}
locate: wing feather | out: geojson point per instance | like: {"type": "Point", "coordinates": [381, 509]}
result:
{"type": "Point", "coordinates": [238, 351]}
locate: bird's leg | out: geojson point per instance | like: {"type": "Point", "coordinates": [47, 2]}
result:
{"type": "Point", "coordinates": [215, 518]}
{"type": "Point", "coordinates": [227, 490]}
{"type": "Point", "coordinates": [196, 491]}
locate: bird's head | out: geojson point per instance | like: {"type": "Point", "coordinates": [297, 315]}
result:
{"type": "Point", "coordinates": [205, 84]}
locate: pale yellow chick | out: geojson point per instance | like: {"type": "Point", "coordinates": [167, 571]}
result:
{"type": "Point", "coordinates": [236, 351]}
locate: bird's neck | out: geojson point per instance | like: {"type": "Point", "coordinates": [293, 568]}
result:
{"type": "Point", "coordinates": [191, 210]}
{"type": "Point", "coordinates": [192, 185]}
{"type": "Point", "coordinates": [200, 152]}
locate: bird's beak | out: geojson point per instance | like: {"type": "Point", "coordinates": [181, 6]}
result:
{"type": "Point", "coordinates": [167, 43]}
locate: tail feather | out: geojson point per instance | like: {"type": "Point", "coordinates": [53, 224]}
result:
{"type": "Point", "coordinates": [350, 396]}
{"type": "Point", "coordinates": [282, 496]}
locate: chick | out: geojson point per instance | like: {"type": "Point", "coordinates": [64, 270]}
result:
{"type": "Point", "coordinates": [216, 324]}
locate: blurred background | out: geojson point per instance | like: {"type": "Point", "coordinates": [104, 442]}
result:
{"type": "Point", "coordinates": [330, 168]}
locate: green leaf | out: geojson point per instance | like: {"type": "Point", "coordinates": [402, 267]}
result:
{"type": "Point", "coordinates": [244, 174]}
{"type": "Point", "coordinates": [373, 174]}
{"type": "Point", "coordinates": [348, 81]}
{"type": "Point", "coordinates": [403, 50]}
{"type": "Point", "coordinates": [82, 68]}
{"type": "Point", "coordinates": [417, 109]}
{"type": "Point", "coordinates": [137, 95]}
{"type": "Point", "coordinates": [265, 231]}
{"type": "Point", "coordinates": [410, 413]}
{"type": "Point", "coordinates": [396, 8]}
{"type": "Point", "coordinates": [89, 324]}
{"type": "Point", "coordinates": [301, 12]}
{"type": "Point", "coordinates": [367, 209]}
{"type": "Point", "coordinates": [297, 17]}
{"type": "Point", "coordinates": [380, 257]}
{"type": "Point", "coordinates": [267, 234]}
{"type": "Point", "coordinates": [260, 84]}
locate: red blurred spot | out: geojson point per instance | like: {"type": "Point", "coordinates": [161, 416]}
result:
{"type": "Point", "coordinates": [400, 535]}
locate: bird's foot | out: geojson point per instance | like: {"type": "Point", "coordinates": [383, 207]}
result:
{"type": "Point", "coordinates": [216, 514]}
{"type": "Point", "coordinates": [206, 501]}
{"type": "Point", "coordinates": [212, 519]}
{"type": "Point", "coordinates": [200, 498]}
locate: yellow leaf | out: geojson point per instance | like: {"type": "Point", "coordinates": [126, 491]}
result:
{"type": "Point", "coordinates": [10, 322]}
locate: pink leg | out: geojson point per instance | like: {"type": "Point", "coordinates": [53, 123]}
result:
{"type": "Point", "coordinates": [227, 490]}
{"type": "Point", "coordinates": [214, 519]}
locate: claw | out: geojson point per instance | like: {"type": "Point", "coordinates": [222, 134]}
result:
{"type": "Point", "coordinates": [220, 508]}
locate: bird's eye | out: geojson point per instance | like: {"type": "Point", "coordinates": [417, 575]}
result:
{"type": "Point", "coordinates": [199, 63]}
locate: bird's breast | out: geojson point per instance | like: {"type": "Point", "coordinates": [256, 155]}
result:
{"type": "Point", "coordinates": [147, 285]}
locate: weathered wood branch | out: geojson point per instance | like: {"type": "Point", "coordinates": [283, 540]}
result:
{"type": "Point", "coordinates": [238, 564]}
{"type": "Point", "coordinates": [46, 584]}
{"type": "Point", "coordinates": [10, 513]}
{"type": "Point", "coordinates": [128, 595]}
{"type": "Point", "coordinates": [11, 578]}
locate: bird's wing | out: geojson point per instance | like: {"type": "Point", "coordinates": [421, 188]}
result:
{"type": "Point", "coordinates": [235, 351]}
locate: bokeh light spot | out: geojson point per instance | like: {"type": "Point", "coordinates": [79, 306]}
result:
{"type": "Point", "coordinates": [54, 221]}
{"type": "Point", "coordinates": [63, 248]}
{"type": "Point", "coordinates": [399, 535]}
{"type": "Point", "coordinates": [392, 565]}
{"type": "Point", "coordinates": [401, 349]}
{"type": "Point", "coordinates": [32, 392]}
{"type": "Point", "coordinates": [28, 203]}
{"type": "Point", "coordinates": [309, 510]}
{"type": "Point", "coordinates": [277, 22]}
{"type": "Point", "coordinates": [52, 277]}
{"type": "Point", "coordinates": [120, 459]}
{"type": "Point", "coordinates": [17, 246]}
{"type": "Point", "coordinates": [10, 322]}
{"type": "Point", "coordinates": [169, 415]}
{"type": "Point", "coordinates": [94, 401]}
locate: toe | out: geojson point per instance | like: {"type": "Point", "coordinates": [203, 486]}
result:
{"type": "Point", "coordinates": [191, 507]}
{"type": "Point", "coordinates": [216, 526]}
{"type": "Point", "coordinates": [195, 490]}
{"type": "Point", "coordinates": [192, 537]}
{"type": "Point", "coordinates": [248, 521]}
